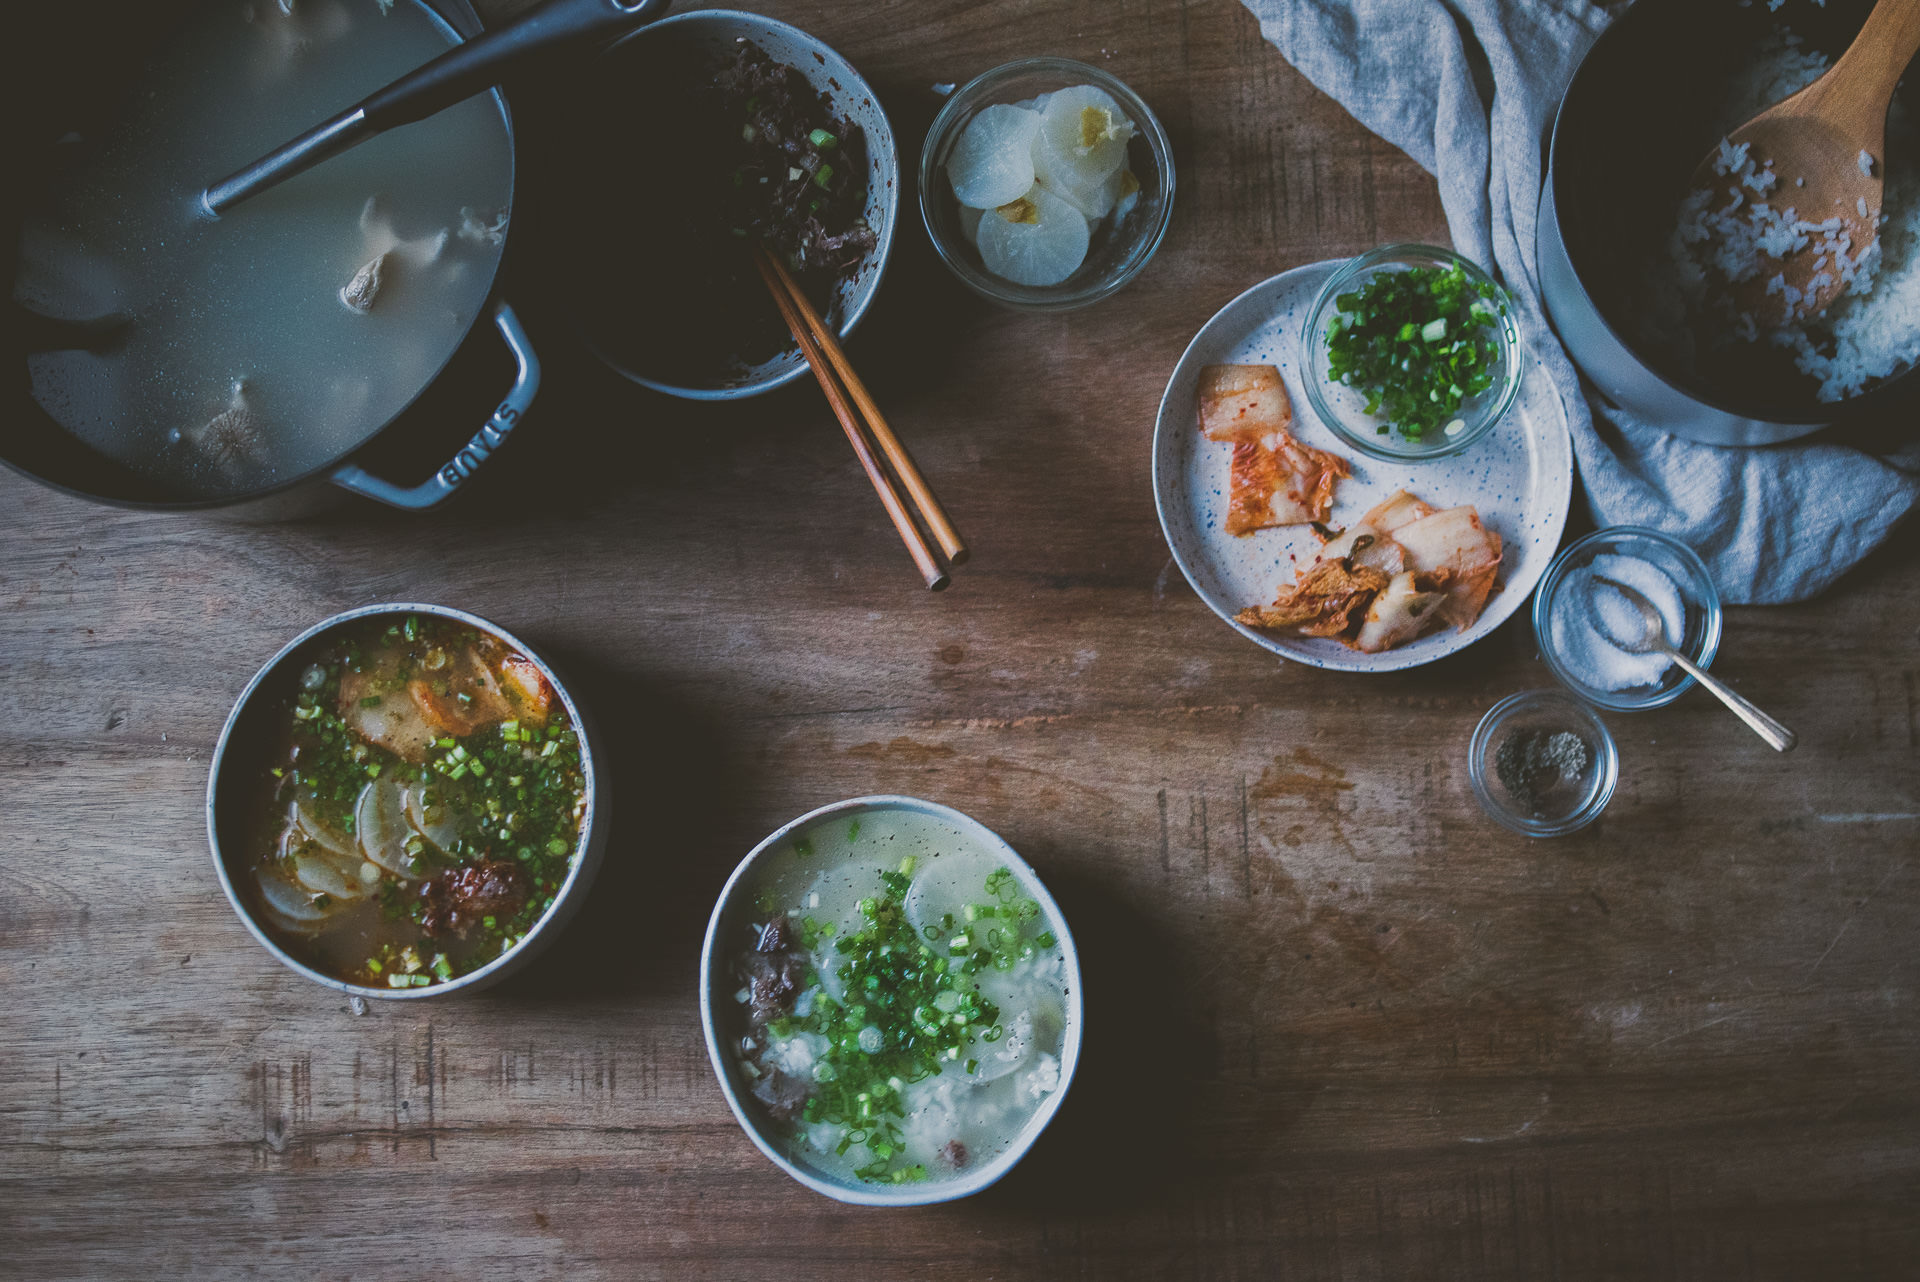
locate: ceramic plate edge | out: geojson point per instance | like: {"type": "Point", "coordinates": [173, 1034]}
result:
{"type": "Point", "coordinates": [1553, 450]}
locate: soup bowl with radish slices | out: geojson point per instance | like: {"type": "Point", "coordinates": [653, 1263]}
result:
{"type": "Point", "coordinates": [891, 1000]}
{"type": "Point", "coordinates": [404, 803]}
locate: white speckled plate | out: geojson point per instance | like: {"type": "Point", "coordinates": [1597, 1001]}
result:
{"type": "Point", "coordinates": [1519, 475]}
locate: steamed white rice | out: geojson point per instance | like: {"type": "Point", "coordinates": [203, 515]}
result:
{"type": "Point", "coordinates": [1871, 332]}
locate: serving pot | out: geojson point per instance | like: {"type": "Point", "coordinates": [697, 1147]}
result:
{"type": "Point", "coordinates": [247, 737]}
{"type": "Point", "coordinates": [1638, 114]}
{"type": "Point", "coordinates": [83, 74]}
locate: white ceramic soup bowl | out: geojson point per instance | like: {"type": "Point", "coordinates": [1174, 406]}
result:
{"type": "Point", "coordinates": [717, 989]}
{"type": "Point", "coordinates": [250, 728]}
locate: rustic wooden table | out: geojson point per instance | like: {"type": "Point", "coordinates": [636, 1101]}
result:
{"type": "Point", "coordinates": [1340, 1024]}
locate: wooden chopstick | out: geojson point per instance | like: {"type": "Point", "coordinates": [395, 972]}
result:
{"type": "Point", "coordinates": [883, 486]}
{"type": "Point", "coordinates": [916, 485]}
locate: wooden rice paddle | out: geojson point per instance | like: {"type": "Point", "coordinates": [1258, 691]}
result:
{"type": "Point", "coordinates": [1818, 134]}
{"type": "Point", "coordinates": [808, 331]}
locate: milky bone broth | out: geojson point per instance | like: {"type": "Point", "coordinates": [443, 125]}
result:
{"type": "Point", "coordinates": [986, 1109]}
{"type": "Point", "coordinates": [252, 298]}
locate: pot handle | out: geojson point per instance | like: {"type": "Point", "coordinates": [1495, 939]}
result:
{"type": "Point", "coordinates": [492, 435]}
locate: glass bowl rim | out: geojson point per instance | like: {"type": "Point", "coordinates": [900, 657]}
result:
{"type": "Point", "coordinates": [1709, 600]}
{"type": "Point", "coordinates": [1048, 298]}
{"type": "Point", "coordinates": [1352, 270]}
{"type": "Point", "coordinates": [1607, 768]}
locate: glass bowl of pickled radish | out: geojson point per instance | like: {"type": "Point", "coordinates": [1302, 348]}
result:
{"type": "Point", "coordinates": [1046, 184]}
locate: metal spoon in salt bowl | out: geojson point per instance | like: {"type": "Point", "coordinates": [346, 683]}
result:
{"type": "Point", "coordinates": [1652, 638]}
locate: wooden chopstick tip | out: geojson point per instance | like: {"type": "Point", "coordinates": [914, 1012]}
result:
{"type": "Point", "coordinates": [842, 385]}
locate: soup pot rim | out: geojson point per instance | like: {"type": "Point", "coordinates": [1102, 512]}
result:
{"type": "Point", "coordinates": [590, 846]}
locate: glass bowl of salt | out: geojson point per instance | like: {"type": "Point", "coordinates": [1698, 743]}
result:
{"type": "Point", "coordinates": [1577, 616]}
{"type": "Point", "coordinates": [1542, 763]}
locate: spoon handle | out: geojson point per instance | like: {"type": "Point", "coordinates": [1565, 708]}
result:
{"type": "Point", "coordinates": [1777, 736]}
{"type": "Point", "coordinates": [1867, 72]}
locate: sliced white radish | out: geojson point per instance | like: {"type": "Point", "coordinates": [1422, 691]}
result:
{"type": "Point", "coordinates": [430, 815]}
{"type": "Point", "coordinates": [997, 1059]}
{"type": "Point", "coordinates": [1094, 200]}
{"type": "Point", "coordinates": [1082, 139]}
{"type": "Point", "coordinates": [289, 904]}
{"type": "Point", "coordinates": [380, 820]}
{"type": "Point", "coordinates": [923, 898]}
{"type": "Point", "coordinates": [320, 871]}
{"type": "Point", "coordinates": [992, 162]}
{"type": "Point", "coordinates": [970, 224]}
{"type": "Point", "coordinates": [1038, 239]}
{"type": "Point", "coordinates": [306, 820]}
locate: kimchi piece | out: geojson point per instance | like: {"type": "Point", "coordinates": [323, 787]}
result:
{"type": "Point", "coordinates": [1325, 601]}
{"type": "Point", "coordinates": [1460, 554]}
{"type": "Point", "coordinates": [1397, 573]}
{"type": "Point", "coordinates": [1274, 480]}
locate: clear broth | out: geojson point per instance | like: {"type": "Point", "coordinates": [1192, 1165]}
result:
{"type": "Point", "coordinates": [970, 1112]}
{"type": "Point", "coordinates": [246, 309]}
{"type": "Point", "coordinates": [398, 902]}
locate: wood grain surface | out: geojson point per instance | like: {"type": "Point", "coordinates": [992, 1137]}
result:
{"type": "Point", "coordinates": [1340, 1025]}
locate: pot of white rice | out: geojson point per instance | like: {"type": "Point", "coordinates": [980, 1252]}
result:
{"type": "Point", "coordinates": [1626, 257]}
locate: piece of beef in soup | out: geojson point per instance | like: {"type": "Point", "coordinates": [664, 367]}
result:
{"type": "Point", "coordinates": [461, 898]}
{"type": "Point", "coordinates": [775, 972]}
{"type": "Point", "coordinates": [783, 1094]}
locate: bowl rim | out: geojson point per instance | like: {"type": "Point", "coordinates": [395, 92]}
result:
{"type": "Point", "coordinates": [566, 900]}
{"type": "Point", "coordinates": [1705, 590]}
{"type": "Point", "coordinates": [1608, 774]}
{"type": "Point", "coordinates": [1352, 270]}
{"type": "Point", "coordinates": [1050, 298]}
{"type": "Point", "coordinates": [836, 65]}
{"type": "Point", "coordinates": [926, 1194]}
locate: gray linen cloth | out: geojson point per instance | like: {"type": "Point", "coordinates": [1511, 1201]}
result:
{"type": "Point", "coordinates": [1468, 88]}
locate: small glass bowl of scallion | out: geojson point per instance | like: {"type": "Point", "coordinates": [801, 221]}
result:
{"type": "Point", "coordinates": [1411, 353]}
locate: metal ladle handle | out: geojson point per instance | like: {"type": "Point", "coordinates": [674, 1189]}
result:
{"type": "Point", "coordinates": [441, 486]}
{"type": "Point", "coordinates": [454, 76]}
{"type": "Point", "coordinates": [1777, 735]}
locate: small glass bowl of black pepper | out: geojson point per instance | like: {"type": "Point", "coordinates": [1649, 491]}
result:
{"type": "Point", "coordinates": [1542, 763]}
